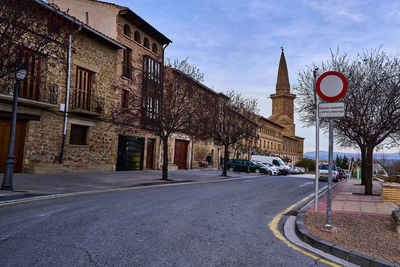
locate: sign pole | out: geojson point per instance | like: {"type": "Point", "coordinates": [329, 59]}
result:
{"type": "Point", "coordinates": [316, 141]}
{"type": "Point", "coordinates": [329, 201]}
{"type": "Point", "coordinates": [331, 86]}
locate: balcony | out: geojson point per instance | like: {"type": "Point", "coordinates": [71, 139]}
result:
{"type": "Point", "coordinates": [85, 104]}
{"type": "Point", "coordinates": [43, 96]}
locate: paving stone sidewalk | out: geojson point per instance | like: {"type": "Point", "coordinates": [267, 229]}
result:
{"type": "Point", "coordinates": [347, 197]}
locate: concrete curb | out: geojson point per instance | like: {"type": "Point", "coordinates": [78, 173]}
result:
{"type": "Point", "coordinates": [333, 249]}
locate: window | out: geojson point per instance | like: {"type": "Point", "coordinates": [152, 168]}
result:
{"type": "Point", "coordinates": [154, 48]}
{"type": "Point", "coordinates": [146, 42]}
{"type": "Point", "coordinates": [87, 17]}
{"type": "Point", "coordinates": [151, 90]}
{"type": "Point", "coordinates": [30, 86]}
{"type": "Point", "coordinates": [152, 108]}
{"type": "Point", "coordinates": [127, 30]}
{"type": "Point", "coordinates": [125, 99]}
{"type": "Point", "coordinates": [137, 37]}
{"type": "Point", "coordinates": [152, 69]}
{"type": "Point", "coordinates": [78, 134]}
{"type": "Point", "coordinates": [126, 64]}
{"type": "Point", "coordinates": [82, 93]}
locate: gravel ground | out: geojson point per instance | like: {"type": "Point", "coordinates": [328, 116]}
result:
{"type": "Point", "coordinates": [368, 234]}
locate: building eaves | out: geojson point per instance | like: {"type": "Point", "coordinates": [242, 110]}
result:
{"type": "Point", "coordinates": [143, 25]}
{"type": "Point", "coordinates": [290, 137]}
{"type": "Point", "coordinates": [81, 24]}
{"type": "Point", "coordinates": [107, 3]}
{"type": "Point", "coordinates": [197, 82]}
{"type": "Point", "coordinates": [269, 121]}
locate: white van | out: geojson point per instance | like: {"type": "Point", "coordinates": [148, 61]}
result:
{"type": "Point", "coordinates": [276, 161]}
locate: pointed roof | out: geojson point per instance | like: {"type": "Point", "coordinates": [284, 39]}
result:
{"type": "Point", "coordinates": [283, 76]}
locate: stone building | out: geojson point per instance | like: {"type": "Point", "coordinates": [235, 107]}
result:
{"type": "Point", "coordinates": [42, 104]}
{"type": "Point", "coordinates": [139, 71]}
{"type": "Point", "coordinates": [139, 74]}
{"type": "Point", "coordinates": [277, 133]}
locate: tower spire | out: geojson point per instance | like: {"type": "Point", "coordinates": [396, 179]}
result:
{"type": "Point", "coordinates": [282, 84]}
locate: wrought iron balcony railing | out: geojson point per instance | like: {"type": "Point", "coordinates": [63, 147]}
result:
{"type": "Point", "coordinates": [83, 101]}
{"type": "Point", "coordinates": [46, 93]}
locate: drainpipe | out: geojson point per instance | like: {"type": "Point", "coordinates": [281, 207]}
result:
{"type": "Point", "coordinates": [67, 96]}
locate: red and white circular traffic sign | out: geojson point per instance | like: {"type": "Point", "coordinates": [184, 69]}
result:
{"type": "Point", "coordinates": [331, 86]}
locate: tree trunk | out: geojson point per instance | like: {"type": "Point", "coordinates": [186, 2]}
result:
{"type": "Point", "coordinates": [368, 170]}
{"type": "Point", "coordinates": [165, 159]}
{"type": "Point", "coordinates": [226, 158]}
{"type": "Point", "coordinates": [363, 162]}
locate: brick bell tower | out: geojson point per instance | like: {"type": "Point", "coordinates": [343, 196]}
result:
{"type": "Point", "coordinates": [283, 100]}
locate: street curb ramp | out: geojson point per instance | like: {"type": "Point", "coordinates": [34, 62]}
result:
{"type": "Point", "coordinates": [333, 249]}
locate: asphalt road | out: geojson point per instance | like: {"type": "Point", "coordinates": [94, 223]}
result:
{"type": "Point", "coordinates": [210, 224]}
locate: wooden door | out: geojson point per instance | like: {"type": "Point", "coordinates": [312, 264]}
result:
{"type": "Point", "coordinates": [180, 158]}
{"type": "Point", "coordinates": [150, 153]}
{"type": "Point", "coordinates": [5, 126]}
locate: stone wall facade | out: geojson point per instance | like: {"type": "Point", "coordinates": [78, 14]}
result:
{"type": "Point", "coordinates": [44, 135]}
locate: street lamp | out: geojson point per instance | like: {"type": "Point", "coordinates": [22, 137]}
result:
{"type": "Point", "coordinates": [20, 74]}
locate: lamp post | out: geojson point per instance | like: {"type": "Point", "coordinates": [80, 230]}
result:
{"type": "Point", "coordinates": [20, 73]}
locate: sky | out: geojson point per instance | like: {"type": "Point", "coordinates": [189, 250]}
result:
{"type": "Point", "coordinates": [236, 44]}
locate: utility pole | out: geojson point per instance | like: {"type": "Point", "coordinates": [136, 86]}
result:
{"type": "Point", "coordinates": [316, 100]}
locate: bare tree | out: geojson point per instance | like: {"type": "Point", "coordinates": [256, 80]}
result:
{"type": "Point", "coordinates": [30, 26]}
{"type": "Point", "coordinates": [181, 110]}
{"type": "Point", "coordinates": [372, 102]}
{"type": "Point", "coordinates": [234, 123]}
{"type": "Point", "coordinates": [186, 68]}
{"type": "Point", "coordinates": [171, 101]}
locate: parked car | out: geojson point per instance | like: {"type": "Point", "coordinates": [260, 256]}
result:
{"type": "Point", "coordinates": [276, 161]}
{"type": "Point", "coordinates": [324, 171]}
{"type": "Point", "coordinates": [302, 170]}
{"type": "Point", "coordinates": [242, 164]}
{"type": "Point", "coordinates": [273, 170]}
{"type": "Point", "coordinates": [341, 173]}
{"type": "Point", "coordinates": [294, 169]}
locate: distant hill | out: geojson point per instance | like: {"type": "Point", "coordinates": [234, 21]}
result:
{"type": "Point", "coordinates": [323, 155]}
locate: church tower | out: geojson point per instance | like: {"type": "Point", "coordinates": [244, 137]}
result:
{"type": "Point", "coordinates": [283, 100]}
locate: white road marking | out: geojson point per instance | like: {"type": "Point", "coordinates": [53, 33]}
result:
{"type": "Point", "coordinates": [306, 184]}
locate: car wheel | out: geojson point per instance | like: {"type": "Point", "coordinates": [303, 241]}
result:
{"type": "Point", "coordinates": [269, 173]}
{"type": "Point", "coordinates": [257, 170]}
{"type": "Point", "coordinates": [231, 169]}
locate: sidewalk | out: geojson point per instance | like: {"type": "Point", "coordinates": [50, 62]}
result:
{"type": "Point", "coordinates": [362, 227]}
{"type": "Point", "coordinates": [348, 197]}
{"type": "Point", "coordinates": [28, 185]}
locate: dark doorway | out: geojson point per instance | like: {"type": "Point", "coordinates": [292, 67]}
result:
{"type": "Point", "coordinates": [130, 153]}
{"type": "Point", "coordinates": [5, 126]}
{"type": "Point", "coordinates": [180, 158]}
{"type": "Point", "coordinates": [150, 153]}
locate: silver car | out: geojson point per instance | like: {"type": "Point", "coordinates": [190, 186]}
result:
{"type": "Point", "coordinates": [324, 170]}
